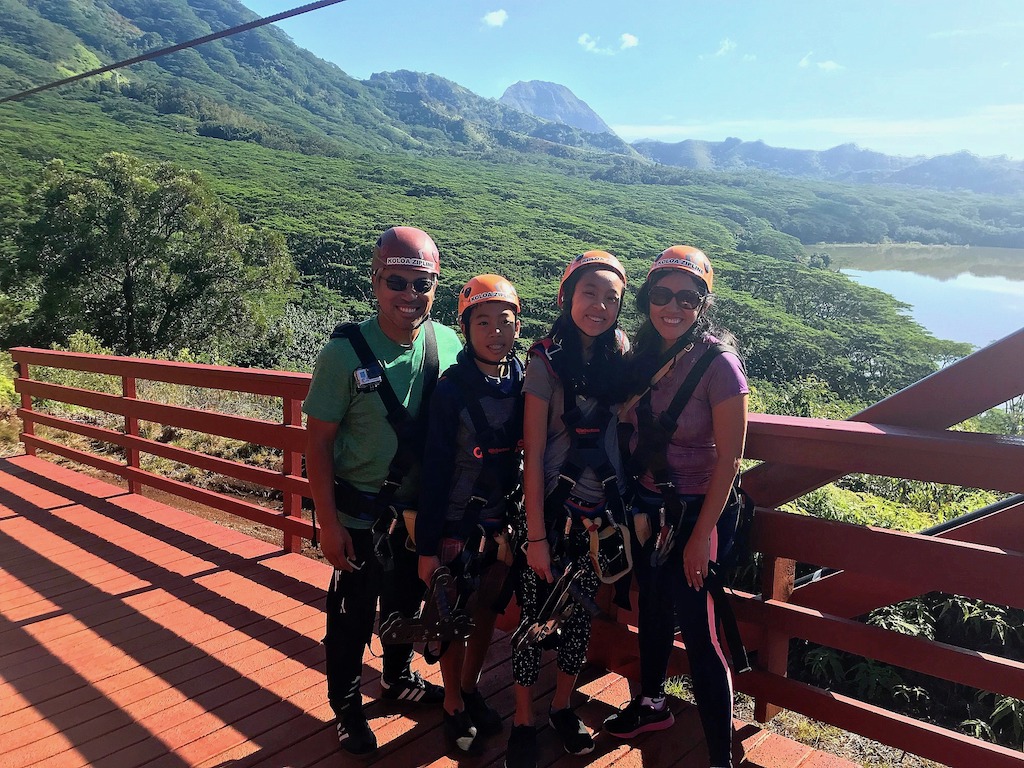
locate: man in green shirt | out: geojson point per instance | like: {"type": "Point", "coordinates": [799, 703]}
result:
{"type": "Point", "coordinates": [362, 476]}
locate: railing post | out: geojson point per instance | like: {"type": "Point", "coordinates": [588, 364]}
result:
{"type": "Point", "coordinates": [292, 465]}
{"type": "Point", "coordinates": [131, 428]}
{"type": "Point", "coordinates": [777, 576]}
{"type": "Point", "coordinates": [28, 426]}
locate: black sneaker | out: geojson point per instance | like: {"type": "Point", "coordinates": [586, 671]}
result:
{"type": "Point", "coordinates": [459, 729]}
{"type": "Point", "coordinates": [354, 734]}
{"type": "Point", "coordinates": [522, 747]}
{"type": "Point", "coordinates": [412, 687]}
{"type": "Point", "coordinates": [485, 718]}
{"type": "Point", "coordinates": [636, 718]}
{"type": "Point", "coordinates": [570, 729]}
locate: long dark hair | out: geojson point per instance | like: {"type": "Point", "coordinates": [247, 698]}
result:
{"type": "Point", "coordinates": [603, 376]}
{"type": "Point", "coordinates": [647, 354]}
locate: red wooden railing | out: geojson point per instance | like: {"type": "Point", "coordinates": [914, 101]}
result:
{"type": "Point", "coordinates": [904, 436]}
{"type": "Point", "coordinates": [287, 435]}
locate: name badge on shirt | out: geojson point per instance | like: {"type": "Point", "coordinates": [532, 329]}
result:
{"type": "Point", "coordinates": [369, 378]}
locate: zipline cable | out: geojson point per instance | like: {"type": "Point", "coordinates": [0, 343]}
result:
{"type": "Point", "coordinates": [175, 48]}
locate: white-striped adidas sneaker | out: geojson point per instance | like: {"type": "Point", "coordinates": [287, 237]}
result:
{"type": "Point", "coordinates": [354, 734]}
{"type": "Point", "coordinates": [413, 688]}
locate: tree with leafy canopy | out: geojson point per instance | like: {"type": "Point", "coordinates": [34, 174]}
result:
{"type": "Point", "coordinates": [145, 258]}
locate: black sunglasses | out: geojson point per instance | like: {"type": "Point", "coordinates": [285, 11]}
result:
{"type": "Point", "coordinates": [398, 284]}
{"type": "Point", "coordinates": [687, 299]}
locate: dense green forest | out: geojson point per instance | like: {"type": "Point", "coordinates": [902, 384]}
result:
{"type": "Point", "coordinates": [527, 219]}
{"type": "Point", "coordinates": [297, 167]}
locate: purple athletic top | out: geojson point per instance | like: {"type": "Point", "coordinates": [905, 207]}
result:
{"type": "Point", "coordinates": [691, 452]}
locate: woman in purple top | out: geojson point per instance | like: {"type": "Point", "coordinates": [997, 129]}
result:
{"type": "Point", "coordinates": [682, 489]}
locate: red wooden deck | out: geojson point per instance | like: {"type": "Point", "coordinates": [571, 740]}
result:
{"type": "Point", "coordinates": [135, 634]}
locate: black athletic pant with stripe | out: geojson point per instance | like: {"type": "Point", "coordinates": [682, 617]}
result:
{"type": "Point", "coordinates": [665, 602]}
{"type": "Point", "coordinates": [351, 604]}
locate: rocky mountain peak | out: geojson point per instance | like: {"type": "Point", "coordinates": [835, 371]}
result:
{"type": "Point", "coordinates": [553, 102]}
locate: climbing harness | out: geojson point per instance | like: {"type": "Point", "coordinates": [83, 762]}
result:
{"type": "Point", "coordinates": [410, 434]}
{"type": "Point", "coordinates": [610, 545]}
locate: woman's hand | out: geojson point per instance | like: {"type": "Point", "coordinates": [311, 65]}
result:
{"type": "Point", "coordinates": [696, 555]}
{"type": "Point", "coordinates": [538, 557]}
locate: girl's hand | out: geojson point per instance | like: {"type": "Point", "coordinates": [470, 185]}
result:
{"type": "Point", "coordinates": [696, 555]}
{"type": "Point", "coordinates": [538, 557]}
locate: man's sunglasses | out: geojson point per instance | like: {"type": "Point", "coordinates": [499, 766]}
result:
{"type": "Point", "coordinates": [687, 299]}
{"type": "Point", "coordinates": [398, 284]}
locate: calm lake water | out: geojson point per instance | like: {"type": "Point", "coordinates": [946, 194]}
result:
{"type": "Point", "coordinates": [963, 294]}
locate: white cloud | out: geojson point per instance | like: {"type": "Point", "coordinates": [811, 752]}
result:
{"type": "Point", "coordinates": [992, 130]}
{"type": "Point", "coordinates": [824, 66]}
{"type": "Point", "coordinates": [590, 44]}
{"type": "Point", "coordinates": [749, 57]}
{"type": "Point", "coordinates": [724, 47]}
{"type": "Point", "coordinates": [628, 41]}
{"type": "Point", "coordinates": [495, 18]}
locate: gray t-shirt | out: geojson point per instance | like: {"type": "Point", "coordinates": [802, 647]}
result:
{"type": "Point", "coordinates": [541, 383]}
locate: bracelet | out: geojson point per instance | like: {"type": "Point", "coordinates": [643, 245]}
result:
{"type": "Point", "coordinates": [536, 541]}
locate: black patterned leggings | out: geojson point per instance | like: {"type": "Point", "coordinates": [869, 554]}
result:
{"type": "Point", "coordinates": [531, 594]}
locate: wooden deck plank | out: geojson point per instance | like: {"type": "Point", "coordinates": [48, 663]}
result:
{"type": "Point", "coordinates": [134, 634]}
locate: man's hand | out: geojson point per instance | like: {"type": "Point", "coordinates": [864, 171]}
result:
{"type": "Point", "coordinates": [336, 544]}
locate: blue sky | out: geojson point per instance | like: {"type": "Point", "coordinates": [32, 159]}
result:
{"type": "Point", "coordinates": [901, 77]}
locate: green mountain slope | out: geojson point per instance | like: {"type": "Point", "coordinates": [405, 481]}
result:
{"type": "Point", "coordinates": [329, 161]}
{"type": "Point", "coordinates": [259, 86]}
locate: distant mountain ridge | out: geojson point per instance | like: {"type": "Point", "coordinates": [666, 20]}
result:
{"type": "Point", "coordinates": [261, 87]}
{"type": "Point", "coordinates": [554, 102]}
{"type": "Point", "coordinates": [846, 162]}
{"type": "Point", "coordinates": [432, 101]}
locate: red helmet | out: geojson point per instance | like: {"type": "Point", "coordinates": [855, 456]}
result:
{"type": "Point", "coordinates": [687, 259]}
{"type": "Point", "coordinates": [406, 248]}
{"type": "Point", "coordinates": [484, 288]}
{"type": "Point", "coordinates": [601, 259]}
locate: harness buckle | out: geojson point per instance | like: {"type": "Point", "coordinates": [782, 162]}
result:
{"type": "Point", "coordinates": [383, 549]}
{"type": "Point", "coordinates": [663, 543]}
{"type": "Point", "coordinates": [611, 551]}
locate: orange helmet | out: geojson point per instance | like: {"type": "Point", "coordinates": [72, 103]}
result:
{"type": "Point", "coordinates": [484, 288]}
{"type": "Point", "coordinates": [406, 248]}
{"type": "Point", "coordinates": [687, 259]}
{"type": "Point", "coordinates": [601, 259]}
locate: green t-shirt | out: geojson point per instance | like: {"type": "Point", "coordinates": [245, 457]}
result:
{"type": "Point", "coordinates": [366, 443]}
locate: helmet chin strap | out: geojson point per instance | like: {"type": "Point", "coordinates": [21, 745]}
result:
{"type": "Point", "coordinates": [505, 362]}
{"type": "Point", "coordinates": [475, 356]}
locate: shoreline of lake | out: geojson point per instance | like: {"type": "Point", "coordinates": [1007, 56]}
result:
{"type": "Point", "coordinates": [942, 284]}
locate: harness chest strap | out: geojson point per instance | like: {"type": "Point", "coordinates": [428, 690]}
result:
{"type": "Point", "coordinates": [654, 432]}
{"type": "Point", "coordinates": [408, 429]}
{"type": "Point", "coordinates": [497, 449]}
{"type": "Point", "coordinates": [586, 440]}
